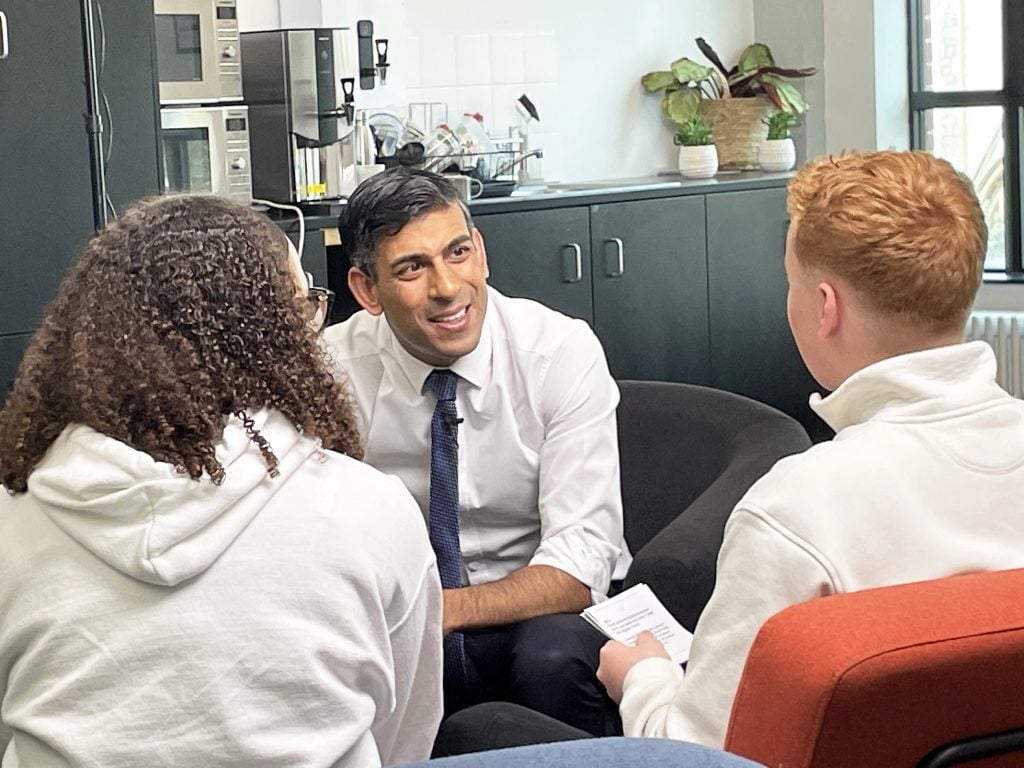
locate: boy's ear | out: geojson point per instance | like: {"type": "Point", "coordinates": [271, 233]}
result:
{"type": "Point", "coordinates": [364, 288]}
{"type": "Point", "coordinates": [828, 311]}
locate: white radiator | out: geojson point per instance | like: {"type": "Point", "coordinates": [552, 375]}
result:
{"type": "Point", "coordinates": [1004, 332]}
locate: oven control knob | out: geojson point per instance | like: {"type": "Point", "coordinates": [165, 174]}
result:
{"type": "Point", "coordinates": [230, 52]}
{"type": "Point", "coordinates": [239, 163]}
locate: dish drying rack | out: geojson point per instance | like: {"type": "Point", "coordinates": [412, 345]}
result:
{"type": "Point", "coordinates": [498, 164]}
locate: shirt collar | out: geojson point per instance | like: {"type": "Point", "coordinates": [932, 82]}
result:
{"type": "Point", "coordinates": [473, 367]}
{"type": "Point", "coordinates": [915, 384]}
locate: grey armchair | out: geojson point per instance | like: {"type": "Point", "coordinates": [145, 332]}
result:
{"type": "Point", "coordinates": [688, 453]}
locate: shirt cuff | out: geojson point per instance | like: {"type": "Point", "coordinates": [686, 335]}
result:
{"type": "Point", "coordinates": [582, 555]}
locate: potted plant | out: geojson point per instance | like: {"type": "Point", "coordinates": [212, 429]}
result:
{"type": "Point", "coordinates": [734, 99]}
{"type": "Point", "coordinates": [777, 152]}
{"type": "Point", "coordinates": [698, 158]}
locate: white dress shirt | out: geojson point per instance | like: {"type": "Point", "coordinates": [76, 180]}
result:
{"type": "Point", "coordinates": [538, 450]}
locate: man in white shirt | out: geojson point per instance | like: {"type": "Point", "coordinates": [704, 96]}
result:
{"type": "Point", "coordinates": [525, 437]}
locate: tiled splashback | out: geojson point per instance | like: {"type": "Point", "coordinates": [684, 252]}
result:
{"type": "Point", "coordinates": [487, 73]}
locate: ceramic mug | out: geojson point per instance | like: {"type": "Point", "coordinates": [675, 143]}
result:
{"type": "Point", "coordinates": [469, 188]}
{"type": "Point", "coordinates": [363, 172]}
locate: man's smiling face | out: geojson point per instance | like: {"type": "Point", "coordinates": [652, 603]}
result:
{"type": "Point", "coordinates": [431, 285]}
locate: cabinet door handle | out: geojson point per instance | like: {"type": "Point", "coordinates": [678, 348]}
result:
{"type": "Point", "coordinates": [577, 263]}
{"type": "Point", "coordinates": [620, 262]}
{"type": "Point", "coordinates": [5, 49]}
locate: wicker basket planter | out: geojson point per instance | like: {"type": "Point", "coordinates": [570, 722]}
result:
{"type": "Point", "coordinates": [738, 129]}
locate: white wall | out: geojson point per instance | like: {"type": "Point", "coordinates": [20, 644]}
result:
{"type": "Point", "coordinates": [580, 61]}
{"type": "Point", "coordinates": [596, 121]}
{"type": "Point", "coordinates": [794, 31]}
{"type": "Point", "coordinates": [866, 105]}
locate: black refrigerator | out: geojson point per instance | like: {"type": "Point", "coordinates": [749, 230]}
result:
{"type": "Point", "coordinates": [46, 197]}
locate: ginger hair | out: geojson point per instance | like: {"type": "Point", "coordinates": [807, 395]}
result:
{"type": "Point", "coordinates": [903, 229]}
{"type": "Point", "coordinates": [180, 313]}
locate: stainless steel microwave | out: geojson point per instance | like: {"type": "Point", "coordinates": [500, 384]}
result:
{"type": "Point", "coordinates": [206, 151]}
{"type": "Point", "coordinates": [198, 51]}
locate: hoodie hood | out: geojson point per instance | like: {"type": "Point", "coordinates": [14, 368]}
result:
{"type": "Point", "coordinates": [147, 520]}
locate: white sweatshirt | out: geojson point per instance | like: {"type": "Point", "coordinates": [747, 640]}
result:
{"type": "Point", "coordinates": [150, 619]}
{"type": "Point", "coordinates": [923, 480]}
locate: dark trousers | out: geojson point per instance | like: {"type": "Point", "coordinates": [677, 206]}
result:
{"type": "Point", "coordinates": [498, 725]}
{"type": "Point", "coordinates": [547, 664]}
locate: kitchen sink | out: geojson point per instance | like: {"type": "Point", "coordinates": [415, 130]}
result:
{"type": "Point", "coordinates": [584, 187]}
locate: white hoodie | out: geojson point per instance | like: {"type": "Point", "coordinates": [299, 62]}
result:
{"type": "Point", "coordinates": [150, 619]}
{"type": "Point", "coordinates": [923, 480]}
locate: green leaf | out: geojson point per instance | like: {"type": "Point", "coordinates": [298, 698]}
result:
{"type": "Point", "coordinates": [655, 81]}
{"type": "Point", "coordinates": [802, 72]}
{"type": "Point", "coordinates": [687, 71]}
{"type": "Point", "coordinates": [755, 56]}
{"type": "Point", "coordinates": [679, 106]}
{"type": "Point", "coordinates": [695, 132]}
{"type": "Point", "coordinates": [787, 98]}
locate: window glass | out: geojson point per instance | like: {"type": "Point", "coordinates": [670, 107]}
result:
{"type": "Point", "coordinates": [962, 45]}
{"type": "Point", "coordinates": [971, 138]}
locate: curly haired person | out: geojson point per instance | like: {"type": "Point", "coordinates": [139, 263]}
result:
{"type": "Point", "coordinates": [195, 567]}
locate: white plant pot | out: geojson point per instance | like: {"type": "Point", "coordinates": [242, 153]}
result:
{"type": "Point", "coordinates": [698, 162]}
{"type": "Point", "coordinates": [776, 154]}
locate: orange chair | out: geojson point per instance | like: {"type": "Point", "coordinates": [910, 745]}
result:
{"type": "Point", "coordinates": [923, 675]}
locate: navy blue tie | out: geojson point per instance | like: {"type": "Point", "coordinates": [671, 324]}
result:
{"type": "Point", "coordinates": [444, 505]}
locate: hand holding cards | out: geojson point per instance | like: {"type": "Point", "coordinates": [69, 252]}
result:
{"type": "Point", "coordinates": [629, 613]}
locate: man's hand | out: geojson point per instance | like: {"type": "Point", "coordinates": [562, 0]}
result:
{"type": "Point", "coordinates": [618, 658]}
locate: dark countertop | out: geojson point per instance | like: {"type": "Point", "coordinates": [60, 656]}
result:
{"type": "Point", "coordinates": [618, 190]}
{"type": "Point", "coordinates": [562, 195]}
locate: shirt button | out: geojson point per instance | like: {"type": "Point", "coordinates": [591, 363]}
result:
{"type": "Point", "coordinates": [473, 567]}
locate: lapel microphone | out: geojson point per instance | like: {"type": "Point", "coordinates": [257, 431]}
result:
{"type": "Point", "coordinates": [452, 423]}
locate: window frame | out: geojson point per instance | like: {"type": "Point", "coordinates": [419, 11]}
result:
{"type": "Point", "coordinates": [1010, 98]}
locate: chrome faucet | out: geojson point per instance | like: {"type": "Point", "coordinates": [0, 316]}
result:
{"type": "Point", "coordinates": [521, 159]}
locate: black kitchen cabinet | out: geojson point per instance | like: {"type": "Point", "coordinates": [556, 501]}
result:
{"type": "Point", "coordinates": [683, 287]}
{"type": "Point", "coordinates": [46, 208]}
{"type": "Point", "coordinates": [650, 288]}
{"type": "Point", "coordinates": [752, 349]}
{"type": "Point", "coordinates": [542, 255]}
{"type": "Point", "coordinates": [635, 270]}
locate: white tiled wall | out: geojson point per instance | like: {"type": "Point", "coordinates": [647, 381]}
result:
{"type": "Point", "coordinates": [579, 61]}
{"type": "Point", "coordinates": [487, 73]}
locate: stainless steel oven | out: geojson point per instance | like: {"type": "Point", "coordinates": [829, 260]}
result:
{"type": "Point", "coordinates": [206, 151]}
{"type": "Point", "coordinates": [198, 51]}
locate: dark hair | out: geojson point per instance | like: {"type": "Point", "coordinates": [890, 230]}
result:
{"type": "Point", "coordinates": [181, 312]}
{"type": "Point", "coordinates": [383, 204]}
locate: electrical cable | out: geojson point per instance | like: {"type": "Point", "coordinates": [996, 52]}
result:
{"type": "Point", "coordinates": [296, 210]}
{"type": "Point", "coordinates": [108, 114]}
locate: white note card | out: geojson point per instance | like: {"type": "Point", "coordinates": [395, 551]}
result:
{"type": "Point", "coordinates": [629, 613]}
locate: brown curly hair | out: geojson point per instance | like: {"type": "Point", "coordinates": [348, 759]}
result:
{"type": "Point", "coordinates": [183, 311]}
